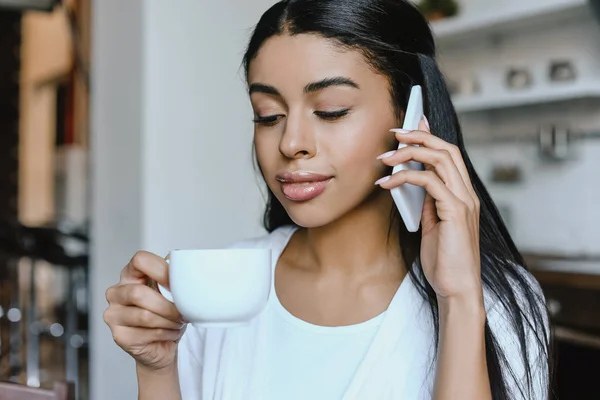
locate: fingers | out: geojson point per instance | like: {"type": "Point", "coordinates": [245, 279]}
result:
{"type": "Point", "coordinates": [127, 337]}
{"type": "Point", "coordinates": [144, 297]}
{"type": "Point", "coordinates": [423, 137]}
{"type": "Point", "coordinates": [429, 218]}
{"type": "Point", "coordinates": [139, 318]}
{"type": "Point", "coordinates": [145, 265]}
{"type": "Point", "coordinates": [448, 206]}
{"type": "Point", "coordinates": [426, 179]}
{"type": "Point", "coordinates": [442, 164]}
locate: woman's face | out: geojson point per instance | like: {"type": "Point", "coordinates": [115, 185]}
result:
{"type": "Point", "coordinates": [322, 117]}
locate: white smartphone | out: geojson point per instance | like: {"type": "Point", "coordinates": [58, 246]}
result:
{"type": "Point", "coordinates": [409, 198]}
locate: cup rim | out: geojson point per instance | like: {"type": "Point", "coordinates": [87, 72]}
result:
{"type": "Point", "coordinates": [212, 250]}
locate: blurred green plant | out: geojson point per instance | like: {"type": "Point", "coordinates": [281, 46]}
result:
{"type": "Point", "coordinates": [438, 9]}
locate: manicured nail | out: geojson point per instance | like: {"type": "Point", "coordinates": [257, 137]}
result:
{"type": "Point", "coordinates": [398, 130]}
{"type": "Point", "coordinates": [386, 155]}
{"type": "Point", "coordinates": [383, 180]}
{"type": "Point", "coordinates": [426, 121]}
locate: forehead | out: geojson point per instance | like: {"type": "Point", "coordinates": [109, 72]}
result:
{"type": "Point", "coordinates": [288, 60]}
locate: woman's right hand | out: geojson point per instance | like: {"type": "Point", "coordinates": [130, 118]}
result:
{"type": "Point", "coordinates": [142, 321]}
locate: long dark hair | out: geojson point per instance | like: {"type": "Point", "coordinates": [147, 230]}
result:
{"type": "Point", "coordinates": [397, 41]}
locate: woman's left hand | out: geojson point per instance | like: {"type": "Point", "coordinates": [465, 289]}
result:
{"type": "Point", "coordinates": [450, 221]}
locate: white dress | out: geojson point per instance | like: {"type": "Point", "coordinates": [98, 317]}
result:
{"type": "Point", "coordinates": [389, 357]}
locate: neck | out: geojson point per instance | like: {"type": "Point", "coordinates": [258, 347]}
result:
{"type": "Point", "coordinates": [362, 242]}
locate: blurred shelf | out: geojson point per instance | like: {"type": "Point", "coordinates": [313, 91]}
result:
{"type": "Point", "coordinates": [589, 267]}
{"type": "Point", "coordinates": [558, 93]}
{"type": "Point", "coordinates": [509, 18]}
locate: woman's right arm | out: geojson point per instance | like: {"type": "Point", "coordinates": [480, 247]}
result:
{"type": "Point", "coordinates": [158, 385]}
{"type": "Point", "coordinates": [147, 326]}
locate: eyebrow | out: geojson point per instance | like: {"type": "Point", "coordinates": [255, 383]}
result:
{"type": "Point", "coordinates": [328, 82]}
{"type": "Point", "coordinates": [310, 88]}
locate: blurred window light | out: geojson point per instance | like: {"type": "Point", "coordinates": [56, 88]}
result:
{"type": "Point", "coordinates": [14, 315]}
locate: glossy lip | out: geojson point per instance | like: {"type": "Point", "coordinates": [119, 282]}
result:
{"type": "Point", "coordinates": [302, 186]}
{"type": "Point", "coordinates": [301, 177]}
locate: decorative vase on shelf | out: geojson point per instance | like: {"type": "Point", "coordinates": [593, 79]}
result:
{"type": "Point", "coordinates": [435, 10]}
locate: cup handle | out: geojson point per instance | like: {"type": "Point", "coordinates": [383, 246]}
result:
{"type": "Point", "coordinates": [163, 290]}
{"type": "Point", "coordinates": [166, 294]}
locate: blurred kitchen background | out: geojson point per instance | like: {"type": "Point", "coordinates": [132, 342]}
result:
{"type": "Point", "coordinates": [125, 125]}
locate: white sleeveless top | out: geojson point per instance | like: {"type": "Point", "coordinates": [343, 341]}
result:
{"type": "Point", "coordinates": [280, 357]}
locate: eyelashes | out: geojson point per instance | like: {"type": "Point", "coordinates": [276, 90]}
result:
{"type": "Point", "coordinates": [329, 116]}
{"type": "Point", "coordinates": [268, 120]}
{"type": "Point", "coordinates": [332, 115]}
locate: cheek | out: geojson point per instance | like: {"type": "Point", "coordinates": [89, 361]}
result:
{"type": "Point", "coordinates": [370, 129]}
{"type": "Point", "coordinates": [359, 150]}
{"type": "Point", "coordinates": [267, 153]}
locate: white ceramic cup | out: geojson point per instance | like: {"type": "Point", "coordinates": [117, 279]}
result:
{"type": "Point", "coordinates": [219, 288]}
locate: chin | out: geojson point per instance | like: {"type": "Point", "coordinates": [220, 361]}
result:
{"type": "Point", "coordinates": [309, 217]}
{"type": "Point", "coordinates": [324, 210]}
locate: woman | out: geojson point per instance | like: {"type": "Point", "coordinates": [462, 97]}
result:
{"type": "Point", "coordinates": [361, 308]}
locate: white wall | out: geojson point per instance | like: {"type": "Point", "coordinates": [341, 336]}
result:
{"type": "Point", "coordinates": [116, 134]}
{"type": "Point", "coordinates": [199, 181]}
{"type": "Point", "coordinates": [171, 145]}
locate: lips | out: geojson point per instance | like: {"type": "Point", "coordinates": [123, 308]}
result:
{"type": "Point", "coordinates": [303, 186]}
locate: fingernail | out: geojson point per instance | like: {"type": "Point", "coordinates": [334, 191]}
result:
{"type": "Point", "coordinates": [398, 130]}
{"type": "Point", "coordinates": [386, 155]}
{"type": "Point", "coordinates": [426, 121]}
{"type": "Point", "coordinates": [382, 180]}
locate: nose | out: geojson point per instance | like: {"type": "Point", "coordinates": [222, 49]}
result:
{"type": "Point", "coordinates": [298, 139]}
